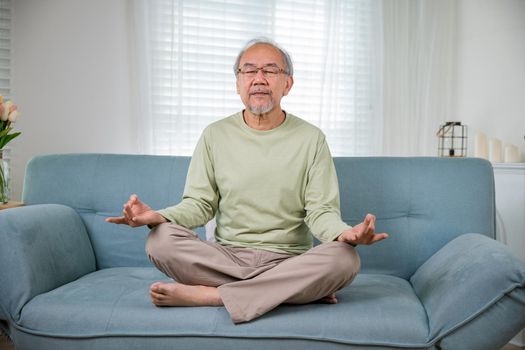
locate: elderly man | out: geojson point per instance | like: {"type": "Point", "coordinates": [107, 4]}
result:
{"type": "Point", "coordinates": [269, 179]}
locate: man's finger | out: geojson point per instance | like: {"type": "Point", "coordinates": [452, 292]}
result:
{"type": "Point", "coordinates": [366, 224]}
{"type": "Point", "coordinates": [371, 224]}
{"type": "Point", "coordinates": [128, 213]}
{"type": "Point", "coordinates": [363, 227]}
{"type": "Point", "coordinates": [116, 220]}
{"type": "Point", "coordinates": [371, 228]}
{"type": "Point", "coordinates": [140, 219]}
{"type": "Point", "coordinates": [133, 199]}
{"type": "Point", "coordinates": [379, 237]}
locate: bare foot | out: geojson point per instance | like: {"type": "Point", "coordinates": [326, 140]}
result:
{"type": "Point", "coordinates": [178, 294]}
{"type": "Point", "coordinates": [329, 299]}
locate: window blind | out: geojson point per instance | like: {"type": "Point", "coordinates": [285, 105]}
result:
{"type": "Point", "coordinates": [5, 48]}
{"type": "Point", "coordinates": [191, 47]}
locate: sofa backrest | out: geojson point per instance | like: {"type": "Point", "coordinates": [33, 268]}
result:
{"type": "Point", "coordinates": [421, 202]}
{"type": "Point", "coordinates": [97, 185]}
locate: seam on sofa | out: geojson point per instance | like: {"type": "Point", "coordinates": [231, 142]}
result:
{"type": "Point", "coordinates": [424, 308]}
{"type": "Point", "coordinates": [93, 180]}
{"type": "Point", "coordinates": [489, 304]}
{"type": "Point", "coordinates": [206, 335]}
{"type": "Point", "coordinates": [429, 343]}
{"type": "Point", "coordinates": [93, 209]}
{"type": "Point", "coordinates": [110, 317]}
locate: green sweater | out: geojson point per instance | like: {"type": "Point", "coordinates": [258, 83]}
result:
{"type": "Point", "coordinates": [267, 189]}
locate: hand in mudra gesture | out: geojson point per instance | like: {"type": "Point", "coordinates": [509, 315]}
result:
{"type": "Point", "coordinates": [137, 213]}
{"type": "Point", "coordinates": [363, 233]}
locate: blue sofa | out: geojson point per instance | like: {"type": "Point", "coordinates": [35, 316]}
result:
{"type": "Point", "coordinates": [69, 280]}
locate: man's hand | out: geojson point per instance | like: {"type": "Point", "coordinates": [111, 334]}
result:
{"type": "Point", "coordinates": [137, 213]}
{"type": "Point", "coordinates": [363, 233]}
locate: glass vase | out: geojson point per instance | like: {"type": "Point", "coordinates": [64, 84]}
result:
{"type": "Point", "coordinates": [4, 176]}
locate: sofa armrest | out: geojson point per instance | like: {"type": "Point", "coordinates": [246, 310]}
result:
{"type": "Point", "coordinates": [463, 279]}
{"type": "Point", "coordinates": [41, 248]}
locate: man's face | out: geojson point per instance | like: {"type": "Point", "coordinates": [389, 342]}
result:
{"type": "Point", "coordinates": [261, 94]}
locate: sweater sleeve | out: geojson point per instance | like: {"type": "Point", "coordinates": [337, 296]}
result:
{"type": "Point", "coordinates": [323, 213]}
{"type": "Point", "coordinates": [200, 199]}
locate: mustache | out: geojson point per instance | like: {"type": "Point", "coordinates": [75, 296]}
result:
{"type": "Point", "coordinates": [259, 91]}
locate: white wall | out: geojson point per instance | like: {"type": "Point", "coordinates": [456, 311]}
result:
{"type": "Point", "coordinates": [71, 79]}
{"type": "Point", "coordinates": [72, 76]}
{"type": "Point", "coordinates": [491, 69]}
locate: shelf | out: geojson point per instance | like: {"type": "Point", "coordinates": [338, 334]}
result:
{"type": "Point", "coordinates": [11, 205]}
{"type": "Point", "coordinates": [508, 165]}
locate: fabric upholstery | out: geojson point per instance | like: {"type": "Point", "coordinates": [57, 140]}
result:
{"type": "Point", "coordinates": [69, 280]}
{"type": "Point", "coordinates": [97, 186]}
{"type": "Point", "coordinates": [421, 202]}
{"type": "Point", "coordinates": [411, 197]}
{"type": "Point", "coordinates": [469, 263]}
{"type": "Point", "coordinates": [489, 329]}
{"type": "Point", "coordinates": [115, 302]}
{"type": "Point", "coordinates": [44, 247]}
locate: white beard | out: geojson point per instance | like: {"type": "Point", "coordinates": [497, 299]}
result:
{"type": "Point", "coordinates": [260, 110]}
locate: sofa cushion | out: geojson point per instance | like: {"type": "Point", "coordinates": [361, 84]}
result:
{"type": "Point", "coordinates": [423, 203]}
{"type": "Point", "coordinates": [445, 282]}
{"type": "Point", "coordinates": [375, 309]}
{"type": "Point", "coordinates": [97, 185]}
{"type": "Point", "coordinates": [36, 245]}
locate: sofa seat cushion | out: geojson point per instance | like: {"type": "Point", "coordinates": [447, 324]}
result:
{"type": "Point", "coordinates": [373, 310]}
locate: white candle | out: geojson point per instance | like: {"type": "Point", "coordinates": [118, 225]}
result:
{"type": "Point", "coordinates": [495, 150]}
{"type": "Point", "coordinates": [512, 154]}
{"type": "Point", "coordinates": [481, 149]}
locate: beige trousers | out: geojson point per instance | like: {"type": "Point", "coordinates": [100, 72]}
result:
{"type": "Point", "coordinates": [251, 282]}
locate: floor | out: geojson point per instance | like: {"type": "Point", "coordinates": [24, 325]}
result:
{"type": "Point", "coordinates": [511, 347]}
{"type": "Point", "coordinates": [4, 345]}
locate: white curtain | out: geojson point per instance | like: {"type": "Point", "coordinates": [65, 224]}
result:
{"type": "Point", "coordinates": [185, 50]}
{"type": "Point", "coordinates": [419, 74]}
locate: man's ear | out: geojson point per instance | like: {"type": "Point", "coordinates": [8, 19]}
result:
{"type": "Point", "coordinates": [237, 85]}
{"type": "Point", "coordinates": [288, 86]}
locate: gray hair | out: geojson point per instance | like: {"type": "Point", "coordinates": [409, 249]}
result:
{"type": "Point", "coordinates": [263, 40]}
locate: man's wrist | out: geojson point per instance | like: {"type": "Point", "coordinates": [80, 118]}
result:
{"type": "Point", "coordinates": [161, 220]}
{"type": "Point", "coordinates": [341, 238]}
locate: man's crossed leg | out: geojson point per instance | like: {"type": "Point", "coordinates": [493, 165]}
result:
{"type": "Point", "coordinates": [248, 282]}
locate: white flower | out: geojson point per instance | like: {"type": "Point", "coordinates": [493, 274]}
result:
{"type": "Point", "coordinates": [13, 116]}
{"type": "Point", "coordinates": [7, 107]}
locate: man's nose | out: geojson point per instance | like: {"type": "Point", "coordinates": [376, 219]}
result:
{"type": "Point", "coordinates": [259, 77]}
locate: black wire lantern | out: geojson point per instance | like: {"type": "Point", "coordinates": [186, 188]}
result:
{"type": "Point", "coordinates": [452, 140]}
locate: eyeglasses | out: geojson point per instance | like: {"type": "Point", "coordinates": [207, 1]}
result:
{"type": "Point", "coordinates": [268, 71]}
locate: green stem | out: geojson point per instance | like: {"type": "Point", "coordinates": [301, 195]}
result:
{"type": "Point", "coordinates": [3, 184]}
